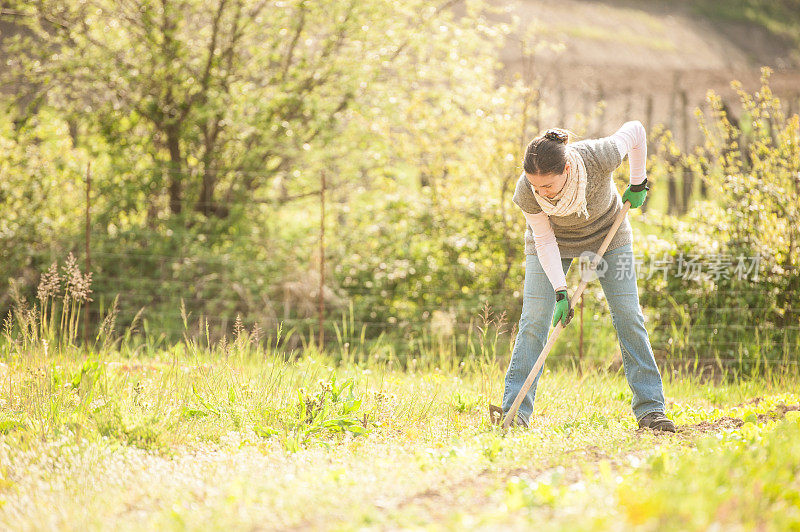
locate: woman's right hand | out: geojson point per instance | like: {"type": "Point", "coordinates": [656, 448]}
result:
{"type": "Point", "coordinates": [563, 310]}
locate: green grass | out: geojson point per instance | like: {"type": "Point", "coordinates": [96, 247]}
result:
{"type": "Point", "coordinates": [191, 438]}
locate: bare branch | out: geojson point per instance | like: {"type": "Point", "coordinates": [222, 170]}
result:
{"type": "Point", "coordinates": [411, 31]}
{"type": "Point", "coordinates": [298, 30]}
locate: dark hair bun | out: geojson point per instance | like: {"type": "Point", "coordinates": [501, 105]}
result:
{"type": "Point", "coordinates": [557, 135]}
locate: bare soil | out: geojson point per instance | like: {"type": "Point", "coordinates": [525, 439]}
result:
{"type": "Point", "coordinates": [438, 503]}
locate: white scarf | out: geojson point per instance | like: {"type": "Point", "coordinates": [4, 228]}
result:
{"type": "Point", "coordinates": [572, 197]}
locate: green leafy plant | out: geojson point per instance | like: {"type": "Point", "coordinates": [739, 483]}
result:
{"type": "Point", "coordinates": [334, 409]}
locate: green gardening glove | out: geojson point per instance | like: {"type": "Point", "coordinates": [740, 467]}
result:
{"type": "Point", "coordinates": [636, 194]}
{"type": "Point", "coordinates": [563, 311]}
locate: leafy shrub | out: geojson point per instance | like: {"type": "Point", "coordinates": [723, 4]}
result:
{"type": "Point", "coordinates": [735, 316]}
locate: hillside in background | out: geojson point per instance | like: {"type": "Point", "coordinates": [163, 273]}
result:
{"type": "Point", "coordinates": [652, 61]}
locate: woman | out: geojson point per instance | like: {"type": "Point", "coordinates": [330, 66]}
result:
{"type": "Point", "coordinates": [569, 200]}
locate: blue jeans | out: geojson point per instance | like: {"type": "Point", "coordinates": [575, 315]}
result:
{"type": "Point", "coordinates": [538, 302]}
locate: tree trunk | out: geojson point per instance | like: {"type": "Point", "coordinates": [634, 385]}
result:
{"type": "Point", "coordinates": [672, 195]}
{"type": "Point", "coordinates": [206, 201]}
{"type": "Point", "coordinates": [175, 169]}
{"type": "Point", "coordinates": [688, 176]}
{"type": "Point", "coordinates": [688, 186]}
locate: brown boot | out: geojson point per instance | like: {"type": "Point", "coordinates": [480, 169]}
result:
{"type": "Point", "coordinates": [657, 421]}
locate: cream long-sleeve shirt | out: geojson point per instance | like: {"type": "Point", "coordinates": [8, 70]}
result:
{"type": "Point", "coordinates": [631, 139]}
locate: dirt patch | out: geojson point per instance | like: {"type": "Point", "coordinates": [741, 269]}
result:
{"type": "Point", "coordinates": [592, 453]}
{"type": "Point", "coordinates": [437, 502]}
{"type": "Point", "coordinates": [727, 423]}
{"type": "Point", "coordinates": [753, 401]}
{"type": "Point", "coordinates": [779, 412]}
{"type": "Point", "coordinates": [705, 427]}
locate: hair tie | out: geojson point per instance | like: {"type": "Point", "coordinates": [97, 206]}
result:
{"type": "Point", "coordinates": [556, 135]}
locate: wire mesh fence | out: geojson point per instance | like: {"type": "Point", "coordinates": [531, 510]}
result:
{"type": "Point", "coordinates": [156, 290]}
{"type": "Point", "coordinates": [163, 266]}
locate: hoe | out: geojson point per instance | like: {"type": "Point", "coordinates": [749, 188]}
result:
{"type": "Point", "coordinates": [495, 412]}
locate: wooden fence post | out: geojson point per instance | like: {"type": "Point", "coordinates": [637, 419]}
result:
{"type": "Point", "coordinates": [320, 295]}
{"type": "Point", "coordinates": [672, 185]}
{"type": "Point", "coordinates": [580, 342]}
{"type": "Point", "coordinates": [88, 249]}
{"type": "Point", "coordinates": [688, 177]}
{"type": "Point", "coordinates": [562, 106]}
{"type": "Point", "coordinates": [601, 96]}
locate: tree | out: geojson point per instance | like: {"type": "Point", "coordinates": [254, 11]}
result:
{"type": "Point", "coordinates": [213, 104]}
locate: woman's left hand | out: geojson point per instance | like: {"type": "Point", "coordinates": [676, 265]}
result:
{"type": "Point", "coordinates": [563, 311]}
{"type": "Point", "coordinates": [636, 194]}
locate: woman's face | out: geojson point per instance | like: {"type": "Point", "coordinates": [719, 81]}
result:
{"type": "Point", "coordinates": [548, 185]}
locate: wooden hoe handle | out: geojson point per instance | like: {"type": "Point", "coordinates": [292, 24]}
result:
{"type": "Point", "coordinates": [559, 327]}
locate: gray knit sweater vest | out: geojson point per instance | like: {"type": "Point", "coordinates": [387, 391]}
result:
{"type": "Point", "coordinates": [576, 234]}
